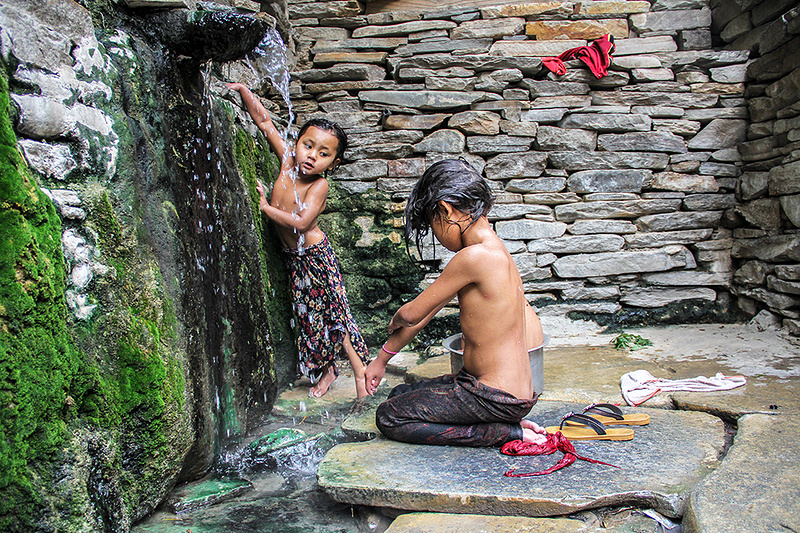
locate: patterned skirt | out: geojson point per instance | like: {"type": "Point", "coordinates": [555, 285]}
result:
{"type": "Point", "coordinates": [320, 308]}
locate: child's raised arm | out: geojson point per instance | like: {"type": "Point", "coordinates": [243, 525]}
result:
{"type": "Point", "coordinates": [261, 118]}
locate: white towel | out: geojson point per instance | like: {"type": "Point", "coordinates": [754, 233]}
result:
{"type": "Point", "coordinates": [640, 385]}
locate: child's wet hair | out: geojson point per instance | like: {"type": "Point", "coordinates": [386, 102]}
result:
{"type": "Point", "coordinates": [453, 181]}
{"type": "Point", "coordinates": [332, 128]}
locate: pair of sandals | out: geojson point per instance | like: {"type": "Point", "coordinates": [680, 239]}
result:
{"type": "Point", "coordinates": [591, 423]}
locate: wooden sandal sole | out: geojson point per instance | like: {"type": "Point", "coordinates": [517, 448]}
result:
{"type": "Point", "coordinates": [586, 433]}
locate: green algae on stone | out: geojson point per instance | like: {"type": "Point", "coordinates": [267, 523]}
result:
{"type": "Point", "coordinates": [255, 162]}
{"type": "Point", "coordinates": [276, 440]}
{"type": "Point", "coordinates": [206, 492]}
{"type": "Point", "coordinates": [380, 276]}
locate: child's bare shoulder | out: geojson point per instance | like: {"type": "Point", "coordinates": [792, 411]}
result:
{"type": "Point", "coordinates": [486, 251]}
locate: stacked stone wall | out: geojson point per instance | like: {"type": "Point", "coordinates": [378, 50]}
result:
{"type": "Point", "coordinates": [766, 242]}
{"type": "Point", "coordinates": [616, 196]}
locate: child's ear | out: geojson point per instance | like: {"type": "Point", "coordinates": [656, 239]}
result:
{"type": "Point", "coordinates": [445, 210]}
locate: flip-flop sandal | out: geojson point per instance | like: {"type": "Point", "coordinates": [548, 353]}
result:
{"type": "Point", "coordinates": [611, 415]}
{"type": "Point", "coordinates": [590, 429]}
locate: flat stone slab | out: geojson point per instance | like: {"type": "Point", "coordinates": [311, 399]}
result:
{"type": "Point", "coordinates": [624, 521]}
{"type": "Point", "coordinates": [757, 487]}
{"type": "Point", "coordinates": [657, 469]}
{"type": "Point", "coordinates": [460, 523]}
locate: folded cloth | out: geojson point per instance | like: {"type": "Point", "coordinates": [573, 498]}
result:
{"type": "Point", "coordinates": [596, 55]}
{"type": "Point", "coordinates": [640, 385]}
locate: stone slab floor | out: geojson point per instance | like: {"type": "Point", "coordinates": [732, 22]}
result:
{"type": "Point", "coordinates": [715, 462]}
{"type": "Point", "coordinates": [708, 462]}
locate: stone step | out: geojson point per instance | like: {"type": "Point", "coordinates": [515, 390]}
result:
{"type": "Point", "coordinates": [459, 523]}
{"type": "Point", "coordinates": [619, 521]}
{"type": "Point", "coordinates": [757, 487]}
{"type": "Point", "coordinates": [657, 469]}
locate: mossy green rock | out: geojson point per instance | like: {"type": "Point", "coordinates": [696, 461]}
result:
{"type": "Point", "coordinates": [276, 440]}
{"type": "Point", "coordinates": [206, 492]}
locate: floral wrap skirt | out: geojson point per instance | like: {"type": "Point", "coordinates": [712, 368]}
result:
{"type": "Point", "coordinates": [321, 309]}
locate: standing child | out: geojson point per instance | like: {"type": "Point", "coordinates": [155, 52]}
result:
{"type": "Point", "coordinates": [326, 326]}
{"type": "Point", "coordinates": [484, 404]}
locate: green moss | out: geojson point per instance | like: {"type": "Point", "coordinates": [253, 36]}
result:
{"type": "Point", "coordinates": [379, 277]}
{"type": "Point", "coordinates": [127, 381]}
{"type": "Point", "coordinates": [256, 162]}
{"type": "Point", "coordinates": [41, 372]}
{"type": "Point", "coordinates": [141, 381]}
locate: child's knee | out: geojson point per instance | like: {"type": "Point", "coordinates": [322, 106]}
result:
{"type": "Point", "coordinates": [383, 420]}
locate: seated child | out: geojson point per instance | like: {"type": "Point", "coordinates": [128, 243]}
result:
{"type": "Point", "coordinates": [326, 326]}
{"type": "Point", "coordinates": [484, 404]}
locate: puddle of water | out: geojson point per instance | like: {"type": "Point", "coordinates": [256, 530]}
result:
{"type": "Point", "coordinates": [277, 504]}
{"type": "Point", "coordinates": [284, 496]}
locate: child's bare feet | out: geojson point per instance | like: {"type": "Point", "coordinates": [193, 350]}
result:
{"type": "Point", "coordinates": [530, 424]}
{"type": "Point", "coordinates": [532, 432]}
{"type": "Point", "coordinates": [531, 437]}
{"type": "Point", "coordinates": [325, 381]}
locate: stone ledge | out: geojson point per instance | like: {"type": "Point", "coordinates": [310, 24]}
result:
{"type": "Point", "coordinates": [658, 468]}
{"type": "Point", "coordinates": [757, 488]}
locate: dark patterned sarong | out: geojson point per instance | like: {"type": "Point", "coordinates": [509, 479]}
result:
{"type": "Point", "coordinates": [320, 308]}
{"type": "Point", "coordinates": [454, 409]}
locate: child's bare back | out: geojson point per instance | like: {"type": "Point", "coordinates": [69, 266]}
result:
{"type": "Point", "coordinates": [492, 320]}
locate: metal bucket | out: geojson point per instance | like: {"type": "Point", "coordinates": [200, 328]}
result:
{"type": "Point", "coordinates": [453, 345]}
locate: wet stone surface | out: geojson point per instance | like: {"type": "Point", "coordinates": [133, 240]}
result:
{"type": "Point", "coordinates": [657, 469]}
{"type": "Point", "coordinates": [760, 478]}
{"type": "Point", "coordinates": [669, 465]}
{"type": "Point", "coordinates": [611, 521]}
{"type": "Point", "coordinates": [279, 463]}
{"type": "Point", "coordinates": [206, 492]}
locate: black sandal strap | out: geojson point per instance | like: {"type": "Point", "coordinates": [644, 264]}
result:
{"type": "Point", "coordinates": [605, 409]}
{"type": "Point", "coordinates": [593, 423]}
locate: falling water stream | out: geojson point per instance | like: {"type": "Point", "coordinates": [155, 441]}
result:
{"type": "Point", "coordinates": [274, 490]}
{"type": "Point", "coordinates": [269, 60]}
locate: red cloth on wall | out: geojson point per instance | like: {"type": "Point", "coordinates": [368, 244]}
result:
{"type": "Point", "coordinates": [596, 55]}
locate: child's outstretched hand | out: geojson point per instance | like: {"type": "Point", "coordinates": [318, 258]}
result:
{"type": "Point", "coordinates": [373, 375]}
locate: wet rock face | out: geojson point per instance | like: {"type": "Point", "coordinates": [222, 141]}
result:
{"type": "Point", "coordinates": [163, 330]}
{"type": "Point", "coordinates": [218, 35]}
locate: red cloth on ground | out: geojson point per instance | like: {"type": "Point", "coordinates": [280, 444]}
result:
{"type": "Point", "coordinates": [596, 55]}
{"type": "Point", "coordinates": [555, 442]}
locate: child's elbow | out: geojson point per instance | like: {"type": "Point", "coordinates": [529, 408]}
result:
{"type": "Point", "coordinates": [407, 317]}
{"type": "Point", "coordinates": [302, 226]}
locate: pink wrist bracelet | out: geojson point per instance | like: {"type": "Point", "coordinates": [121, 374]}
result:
{"type": "Point", "coordinates": [388, 351]}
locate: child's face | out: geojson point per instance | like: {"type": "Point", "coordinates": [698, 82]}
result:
{"type": "Point", "coordinates": [446, 230]}
{"type": "Point", "coordinates": [316, 151]}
